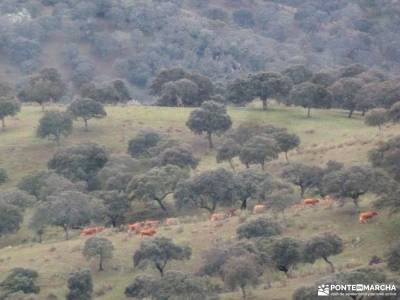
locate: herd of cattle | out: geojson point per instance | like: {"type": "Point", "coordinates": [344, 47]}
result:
{"type": "Point", "coordinates": [149, 227]}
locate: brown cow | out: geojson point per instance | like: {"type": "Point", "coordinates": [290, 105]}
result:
{"type": "Point", "coordinates": [91, 230]}
{"type": "Point", "coordinates": [171, 221]}
{"type": "Point", "coordinates": [136, 227]}
{"type": "Point", "coordinates": [310, 201]}
{"type": "Point", "coordinates": [218, 217]}
{"type": "Point", "coordinates": [367, 215]}
{"type": "Point", "coordinates": [148, 232]}
{"type": "Point", "coordinates": [259, 209]}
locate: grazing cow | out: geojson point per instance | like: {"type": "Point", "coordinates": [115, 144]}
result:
{"type": "Point", "coordinates": [136, 227]}
{"type": "Point", "coordinates": [311, 201]}
{"type": "Point", "coordinates": [367, 215]}
{"type": "Point", "coordinates": [259, 209]}
{"type": "Point", "coordinates": [171, 221]}
{"type": "Point", "coordinates": [218, 217]}
{"type": "Point", "coordinates": [91, 231]}
{"type": "Point", "coordinates": [148, 232]}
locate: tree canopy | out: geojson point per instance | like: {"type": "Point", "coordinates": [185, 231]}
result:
{"type": "Point", "coordinates": [310, 95]}
{"type": "Point", "coordinates": [156, 184]}
{"type": "Point", "coordinates": [207, 190]}
{"type": "Point", "coordinates": [100, 248]}
{"type": "Point", "coordinates": [55, 125]}
{"type": "Point", "coordinates": [159, 251]}
{"type": "Point", "coordinates": [86, 109]}
{"type": "Point", "coordinates": [8, 107]}
{"type": "Point", "coordinates": [211, 118]}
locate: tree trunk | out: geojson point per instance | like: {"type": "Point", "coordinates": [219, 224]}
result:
{"type": "Point", "coordinates": [286, 156]}
{"type": "Point", "coordinates": [355, 201]}
{"type": "Point", "coordinates": [350, 113]}
{"type": "Point", "coordinates": [244, 295]}
{"type": "Point", "coordinates": [210, 141]}
{"type": "Point", "coordinates": [86, 124]}
{"type": "Point", "coordinates": [42, 104]}
{"type": "Point", "coordinates": [160, 269]}
{"type": "Point", "coordinates": [244, 204]}
{"type": "Point", "coordinates": [263, 165]}
{"type": "Point", "coordinates": [3, 123]}
{"type": "Point", "coordinates": [363, 112]}
{"type": "Point", "coordinates": [264, 104]}
{"type": "Point", "coordinates": [66, 233]}
{"type": "Point", "coordinates": [161, 205]}
{"type": "Point", "coordinates": [58, 141]}
{"type": "Point", "coordinates": [330, 264]}
{"type": "Point", "coordinates": [302, 191]}
{"type": "Point", "coordinates": [308, 112]}
{"type": "Point", "coordinates": [247, 165]}
{"type": "Point", "coordinates": [101, 263]}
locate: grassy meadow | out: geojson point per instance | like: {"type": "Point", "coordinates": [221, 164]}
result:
{"type": "Point", "coordinates": [327, 135]}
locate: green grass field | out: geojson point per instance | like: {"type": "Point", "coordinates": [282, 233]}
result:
{"type": "Point", "coordinates": [327, 135]}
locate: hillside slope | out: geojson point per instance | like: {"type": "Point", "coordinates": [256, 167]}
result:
{"type": "Point", "coordinates": [327, 135]}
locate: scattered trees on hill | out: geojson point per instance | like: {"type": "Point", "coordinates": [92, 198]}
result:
{"type": "Point", "coordinates": [81, 162]}
{"type": "Point", "coordinates": [261, 227]}
{"type": "Point", "coordinates": [268, 85]}
{"type": "Point", "coordinates": [241, 272]}
{"type": "Point", "coordinates": [159, 251]}
{"type": "Point", "coordinates": [323, 246]}
{"type": "Point", "coordinates": [376, 117]}
{"type": "Point", "coordinates": [310, 95]}
{"type": "Point", "coordinates": [46, 86]}
{"type": "Point", "coordinates": [86, 109]}
{"type": "Point", "coordinates": [80, 286]}
{"type": "Point", "coordinates": [10, 218]}
{"type": "Point", "coordinates": [156, 184]}
{"type": "Point", "coordinates": [20, 280]}
{"type": "Point", "coordinates": [207, 190]}
{"type": "Point", "coordinates": [8, 107]}
{"type": "Point", "coordinates": [258, 150]}
{"type": "Point", "coordinates": [211, 118]}
{"type": "Point", "coordinates": [100, 248]}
